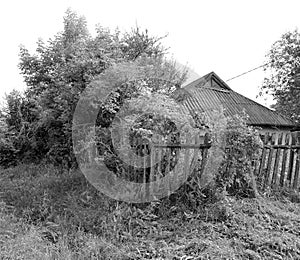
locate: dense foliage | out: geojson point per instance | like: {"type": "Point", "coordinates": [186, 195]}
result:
{"type": "Point", "coordinates": [227, 168]}
{"type": "Point", "coordinates": [243, 148]}
{"type": "Point", "coordinates": [39, 121]}
{"type": "Point", "coordinates": [283, 82]}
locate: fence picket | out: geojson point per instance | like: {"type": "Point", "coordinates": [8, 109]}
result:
{"type": "Point", "coordinates": [159, 159]}
{"type": "Point", "coordinates": [270, 161]}
{"type": "Point", "coordinates": [197, 140]}
{"type": "Point", "coordinates": [292, 163]}
{"type": "Point", "coordinates": [289, 162]}
{"type": "Point", "coordinates": [278, 139]}
{"type": "Point", "coordinates": [282, 179]}
{"type": "Point", "coordinates": [292, 168]}
{"type": "Point", "coordinates": [261, 170]}
{"type": "Point", "coordinates": [152, 169]}
{"type": "Point", "coordinates": [256, 168]}
{"type": "Point", "coordinates": [186, 157]}
{"type": "Point", "coordinates": [144, 153]}
{"type": "Point", "coordinates": [273, 151]}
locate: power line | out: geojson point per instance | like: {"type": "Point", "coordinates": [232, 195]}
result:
{"type": "Point", "coordinates": [249, 71]}
{"type": "Point", "coordinates": [297, 53]}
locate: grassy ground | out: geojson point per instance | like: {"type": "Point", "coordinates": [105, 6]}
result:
{"type": "Point", "coordinates": [46, 213]}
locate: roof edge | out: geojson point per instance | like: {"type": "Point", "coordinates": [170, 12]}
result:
{"type": "Point", "coordinates": [274, 111]}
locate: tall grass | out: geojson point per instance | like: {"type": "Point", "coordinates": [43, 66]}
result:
{"type": "Point", "coordinates": [48, 213]}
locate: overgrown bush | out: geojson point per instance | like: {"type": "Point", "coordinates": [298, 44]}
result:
{"type": "Point", "coordinates": [242, 149]}
{"type": "Point", "coordinates": [7, 150]}
{"type": "Point", "coordinates": [235, 147]}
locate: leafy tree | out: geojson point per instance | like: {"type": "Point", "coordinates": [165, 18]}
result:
{"type": "Point", "coordinates": [284, 80]}
{"type": "Point", "coordinates": [137, 42]}
{"type": "Point", "coordinates": [59, 71]}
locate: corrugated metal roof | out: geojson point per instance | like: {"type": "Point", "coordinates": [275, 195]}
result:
{"type": "Point", "coordinates": [210, 93]}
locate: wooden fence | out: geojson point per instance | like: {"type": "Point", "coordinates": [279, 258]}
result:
{"type": "Point", "coordinates": [279, 164]}
{"type": "Point", "coordinates": [163, 158]}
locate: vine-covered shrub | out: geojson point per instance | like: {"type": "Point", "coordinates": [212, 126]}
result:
{"type": "Point", "coordinates": [228, 169]}
{"type": "Point", "coordinates": [242, 148]}
{"type": "Point", "coordinates": [144, 118]}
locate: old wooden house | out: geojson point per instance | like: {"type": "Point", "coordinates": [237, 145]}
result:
{"type": "Point", "coordinates": [280, 160]}
{"type": "Point", "coordinates": [210, 92]}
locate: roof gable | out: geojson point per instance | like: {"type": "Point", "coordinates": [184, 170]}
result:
{"type": "Point", "coordinates": [211, 81]}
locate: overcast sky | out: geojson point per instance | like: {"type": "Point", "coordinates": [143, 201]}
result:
{"type": "Point", "coordinates": [227, 37]}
